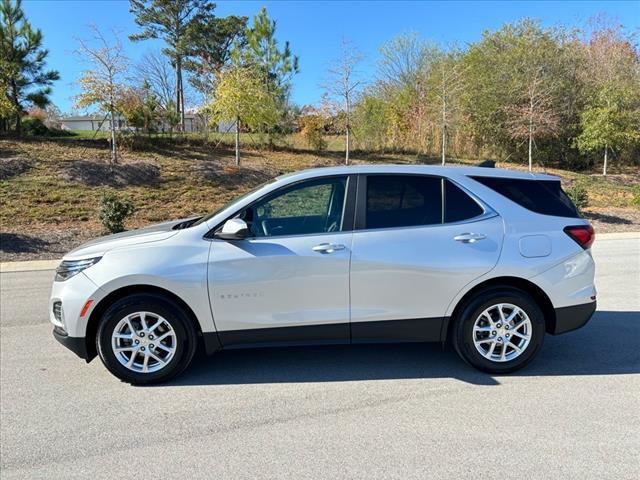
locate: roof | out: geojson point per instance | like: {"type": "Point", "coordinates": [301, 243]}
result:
{"type": "Point", "coordinates": [83, 118]}
{"type": "Point", "coordinates": [447, 171]}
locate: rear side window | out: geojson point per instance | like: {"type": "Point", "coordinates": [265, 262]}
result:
{"type": "Point", "coordinates": [459, 206]}
{"type": "Point", "coordinates": [403, 201]}
{"type": "Point", "coordinates": [540, 196]}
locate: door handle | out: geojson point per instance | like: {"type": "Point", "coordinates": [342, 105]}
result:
{"type": "Point", "coordinates": [469, 237]}
{"type": "Point", "coordinates": [328, 247]}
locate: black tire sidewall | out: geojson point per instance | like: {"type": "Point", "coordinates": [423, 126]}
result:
{"type": "Point", "coordinates": [464, 329]}
{"type": "Point", "coordinates": [185, 337]}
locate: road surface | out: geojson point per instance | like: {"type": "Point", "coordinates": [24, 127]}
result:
{"type": "Point", "coordinates": [384, 411]}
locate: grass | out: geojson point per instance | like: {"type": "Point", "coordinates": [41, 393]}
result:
{"type": "Point", "coordinates": [187, 175]}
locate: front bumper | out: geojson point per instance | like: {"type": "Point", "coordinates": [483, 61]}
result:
{"type": "Point", "coordinates": [573, 317]}
{"type": "Point", "coordinates": [77, 345]}
{"type": "Point", "coordinates": [71, 296]}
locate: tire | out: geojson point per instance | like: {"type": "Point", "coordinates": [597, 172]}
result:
{"type": "Point", "coordinates": [479, 341]}
{"type": "Point", "coordinates": [153, 362]}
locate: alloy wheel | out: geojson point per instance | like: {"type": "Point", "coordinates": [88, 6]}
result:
{"type": "Point", "coordinates": [502, 332]}
{"type": "Point", "coordinates": [144, 342]}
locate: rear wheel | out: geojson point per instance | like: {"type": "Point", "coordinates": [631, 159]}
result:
{"type": "Point", "coordinates": [499, 331]}
{"type": "Point", "coordinates": [145, 338]}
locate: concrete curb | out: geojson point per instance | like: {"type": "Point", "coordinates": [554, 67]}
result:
{"type": "Point", "coordinates": [28, 266]}
{"type": "Point", "coordinates": [37, 265]}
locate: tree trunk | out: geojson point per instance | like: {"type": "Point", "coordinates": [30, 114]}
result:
{"type": "Point", "coordinates": [604, 169]}
{"type": "Point", "coordinates": [530, 147]}
{"type": "Point", "coordinates": [238, 141]}
{"type": "Point", "coordinates": [444, 135]}
{"type": "Point", "coordinates": [347, 139]}
{"type": "Point", "coordinates": [114, 146]}
{"type": "Point", "coordinates": [179, 106]}
{"type": "Point", "coordinates": [444, 121]}
{"type": "Point", "coordinates": [347, 142]}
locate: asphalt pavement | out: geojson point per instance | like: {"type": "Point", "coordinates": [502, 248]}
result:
{"type": "Point", "coordinates": [381, 411]}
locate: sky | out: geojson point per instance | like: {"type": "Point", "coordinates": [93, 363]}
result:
{"type": "Point", "coordinates": [315, 29]}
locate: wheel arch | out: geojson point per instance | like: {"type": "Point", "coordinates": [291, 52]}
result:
{"type": "Point", "coordinates": [114, 296]}
{"type": "Point", "coordinates": [540, 297]}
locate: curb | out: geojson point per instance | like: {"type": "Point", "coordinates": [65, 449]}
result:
{"type": "Point", "coordinates": [28, 266]}
{"type": "Point", "coordinates": [38, 265]}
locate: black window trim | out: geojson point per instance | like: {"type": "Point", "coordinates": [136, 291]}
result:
{"type": "Point", "coordinates": [348, 213]}
{"type": "Point", "coordinates": [361, 203]}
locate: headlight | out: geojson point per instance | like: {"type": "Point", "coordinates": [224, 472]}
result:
{"type": "Point", "coordinates": [69, 268]}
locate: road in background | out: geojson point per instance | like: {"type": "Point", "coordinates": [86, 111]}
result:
{"type": "Point", "coordinates": [382, 411]}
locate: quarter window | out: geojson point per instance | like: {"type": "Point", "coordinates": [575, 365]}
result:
{"type": "Point", "coordinates": [458, 205]}
{"type": "Point", "coordinates": [540, 196]}
{"type": "Point", "coordinates": [307, 208]}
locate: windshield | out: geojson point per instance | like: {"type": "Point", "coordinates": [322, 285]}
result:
{"type": "Point", "coordinates": [231, 203]}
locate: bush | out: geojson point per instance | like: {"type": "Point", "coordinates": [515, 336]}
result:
{"type": "Point", "coordinates": [34, 126]}
{"type": "Point", "coordinates": [635, 191]}
{"type": "Point", "coordinates": [313, 131]}
{"type": "Point", "coordinates": [579, 195]}
{"type": "Point", "coordinates": [114, 211]}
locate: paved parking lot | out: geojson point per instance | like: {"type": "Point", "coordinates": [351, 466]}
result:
{"type": "Point", "coordinates": [384, 411]}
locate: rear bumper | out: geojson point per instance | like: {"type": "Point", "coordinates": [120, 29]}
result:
{"type": "Point", "coordinates": [573, 317]}
{"type": "Point", "coordinates": [77, 345]}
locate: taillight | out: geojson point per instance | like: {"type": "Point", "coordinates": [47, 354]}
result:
{"type": "Point", "coordinates": [584, 235]}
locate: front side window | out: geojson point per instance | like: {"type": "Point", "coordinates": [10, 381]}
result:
{"type": "Point", "coordinates": [312, 207]}
{"type": "Point", "coordinates": [403, 201]}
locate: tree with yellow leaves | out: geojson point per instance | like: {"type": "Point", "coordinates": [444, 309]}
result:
{"type": "Point", "coordinates": [242, 99]}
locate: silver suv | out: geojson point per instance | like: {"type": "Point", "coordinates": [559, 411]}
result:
{"type": "Point", "coordinates": [486, 259]}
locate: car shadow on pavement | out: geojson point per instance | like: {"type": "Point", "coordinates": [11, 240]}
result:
{"type": "Point", "coordinates": [608, 345]}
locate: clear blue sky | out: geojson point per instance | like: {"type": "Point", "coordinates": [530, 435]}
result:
{"type": "Point", "coordinates": [314, 29]}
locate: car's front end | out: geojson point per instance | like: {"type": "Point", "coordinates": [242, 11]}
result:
{"type": "Point", "coordinates": [72, 297]}
{"type": "Point", "coordinates": [89, 273]}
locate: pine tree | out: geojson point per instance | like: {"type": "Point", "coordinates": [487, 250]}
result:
{"type": "Point", "coordinates": [23, 72]}
{"type": "Point", "coordinates": [177, 22]}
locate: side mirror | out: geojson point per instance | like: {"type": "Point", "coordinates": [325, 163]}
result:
{"type": "Point", "coordinates": [234, 229]}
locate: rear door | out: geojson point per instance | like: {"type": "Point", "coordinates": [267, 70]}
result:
{"type": "Point", "coordinates": [418, 241]}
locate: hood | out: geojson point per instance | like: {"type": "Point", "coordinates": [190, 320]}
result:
{"type": "Point", "coordinates": [101, 245]}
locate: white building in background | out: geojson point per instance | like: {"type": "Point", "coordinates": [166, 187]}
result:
{"type": "Point", "coordinates": [192, 123]}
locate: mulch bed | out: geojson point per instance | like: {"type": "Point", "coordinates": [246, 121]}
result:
{"type": "Point", "coordinates": [98, 173]}
{"type": "Point", "coordinates": [13, 166]}
{"type": "Point", "coordinates": [41, 244]}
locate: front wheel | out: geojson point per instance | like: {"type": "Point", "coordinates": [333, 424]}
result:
{"type": "Point", "coordinates": [500, 331]}
{"type": "Point", "coordinates": [145, 338]}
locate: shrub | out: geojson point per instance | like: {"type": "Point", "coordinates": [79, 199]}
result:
{"type": "Point", "coordinates": [34, 126]}
{"type": "Point", "coordinates": [114, 211]}
{"type": "Point", "coordinates": [313, 131]}
{"type": "Point", "coordinates": [579, 195]}
{"type": "Point", "coordinates": [635, 199]}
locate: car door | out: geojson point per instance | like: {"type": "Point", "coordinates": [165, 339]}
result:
{"type": "Point", "coordinates": [288, 281]}
{"type": "Point", "coordinates": [417, 242]}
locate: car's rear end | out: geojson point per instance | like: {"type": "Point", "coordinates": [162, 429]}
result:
{"type": "Point", "coordinates": [547, 242]}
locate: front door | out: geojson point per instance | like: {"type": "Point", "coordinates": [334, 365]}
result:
{"type": "Point", "coordinates": [288, 282]}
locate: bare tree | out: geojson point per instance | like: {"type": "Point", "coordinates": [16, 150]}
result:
{"type": "Point", "coordinates": [342, 86]}
{"type": "Point", "coordinates": [446, 77]}
{"type": "Point", "coordinates": [536, 116]}
{"type": "Point", "coordinates": [158, 73]}
{"type": "Point", "coordinates": [102, 84]}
